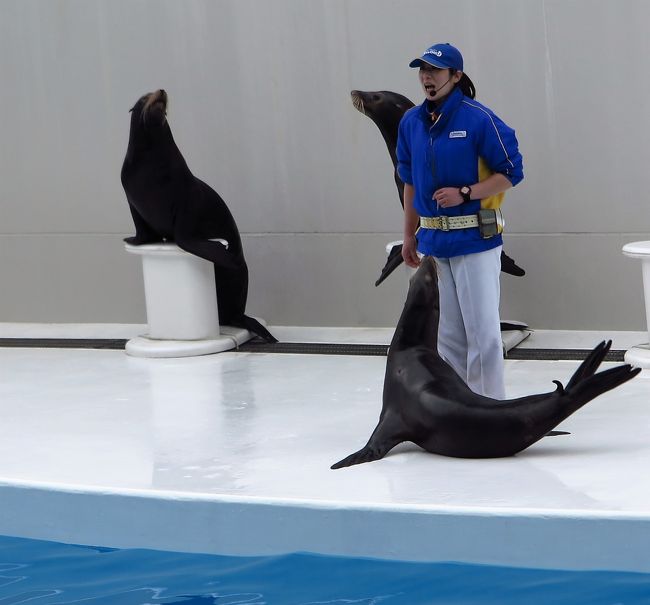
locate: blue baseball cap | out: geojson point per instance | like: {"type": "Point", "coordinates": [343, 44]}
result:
{"type": "Point", "coordinates": [440, 55]}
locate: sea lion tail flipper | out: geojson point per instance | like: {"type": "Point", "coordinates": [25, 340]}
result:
{"type": "Point", "coordinates": [252, 325]}
{"type": "Point", "coordinates": [394, 260]}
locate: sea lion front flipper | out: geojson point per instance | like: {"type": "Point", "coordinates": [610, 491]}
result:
{"type": "Point", "coordinates": [388, 433]}
{"type": "Point", "coordinates": [393, 261]}
{"type": "Point", "coordinates": [215, 252]}
{"type": "Point", "coordinates": [366, 454]}
{"type": "Point", "coordinates": [144, 234]}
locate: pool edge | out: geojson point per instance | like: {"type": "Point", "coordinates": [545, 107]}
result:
{"type": "Point", "coordinates": [227, 525]}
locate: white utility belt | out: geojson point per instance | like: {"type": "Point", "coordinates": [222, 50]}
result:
{"type": "Point", "coordinates": [489, 221]}
{"type": "Point", "coordinates": [449, 223]}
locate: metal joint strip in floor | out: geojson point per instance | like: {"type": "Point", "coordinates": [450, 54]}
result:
{"type": "Point", "coordinates": [300, 348]}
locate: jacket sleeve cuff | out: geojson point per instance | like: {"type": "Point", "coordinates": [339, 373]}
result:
{"type": "Point", "coordinates": [405, 174]}
{"type": "Point", "coordinates": [514, 178]}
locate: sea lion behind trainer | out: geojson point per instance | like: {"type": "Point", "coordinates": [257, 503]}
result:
{"type": "Point", "coordinates": [168, 203]}
{"type": "Point", "coordinates": [386, 108]}
{"type": "Point", "coordinates": [426, 402]}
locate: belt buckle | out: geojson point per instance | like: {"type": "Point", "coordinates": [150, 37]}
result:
{"type": "Point", "coordinates": [444, 223]}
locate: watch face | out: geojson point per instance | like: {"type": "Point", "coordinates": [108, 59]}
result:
{"type": "Point", "coordinates": [465, 190]}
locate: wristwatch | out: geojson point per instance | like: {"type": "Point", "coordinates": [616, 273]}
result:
{"type": "Point", "coordinates": [465, 192]}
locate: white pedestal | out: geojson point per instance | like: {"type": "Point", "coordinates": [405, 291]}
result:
{"type": "Point", "coordinates": [181, 302]}
{"type": "Point", "coordinates": [639, 356]}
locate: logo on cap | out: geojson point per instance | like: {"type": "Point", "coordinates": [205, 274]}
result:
{"type": "Point", "coordinates": [433, 51]}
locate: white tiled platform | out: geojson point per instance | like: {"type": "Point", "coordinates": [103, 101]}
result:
{"type": "Point", "coordinates": [230, 454]}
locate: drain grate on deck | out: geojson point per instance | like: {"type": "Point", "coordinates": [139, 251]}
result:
{"type": "Point", "coordinates": [298, 348]}
{"type": "Point", "coordinates": [305, 348]}
{"type": "Point", "coordinates": [64, 343]}
{"type": "Point", "coordinates": [313, 348]}
{"type": "Point", "coordinates": [559, 354]}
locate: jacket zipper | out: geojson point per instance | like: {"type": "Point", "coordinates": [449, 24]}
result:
{"type": "Point", "coordinates": [433, 164]}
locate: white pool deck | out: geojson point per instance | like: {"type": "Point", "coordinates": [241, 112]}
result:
{"type": "Point", "coordinates": [230, 454]}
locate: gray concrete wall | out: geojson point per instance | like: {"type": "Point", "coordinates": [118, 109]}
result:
{"type": "Point", "coordinates": [260, 108]}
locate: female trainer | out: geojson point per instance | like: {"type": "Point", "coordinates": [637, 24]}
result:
{"type": "Point", "coordinates": [457, 158]}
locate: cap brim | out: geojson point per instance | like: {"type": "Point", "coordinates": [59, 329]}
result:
{"type": "Point", "coordinates": [419, 61]}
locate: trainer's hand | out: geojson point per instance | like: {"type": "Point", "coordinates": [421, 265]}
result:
{"type": "Point", "coordinates": [448, 197]}
{"type": "Point", "coordinates": [409, 252]}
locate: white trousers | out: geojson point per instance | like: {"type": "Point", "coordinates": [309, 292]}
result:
{"type": "Point", "coordinates": [469, 336]}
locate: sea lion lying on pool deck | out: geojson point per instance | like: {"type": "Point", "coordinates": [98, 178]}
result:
{"type": "Point", "coordinates": [426, 402]}
{"type": "Point", "coordinates": [168, 203]}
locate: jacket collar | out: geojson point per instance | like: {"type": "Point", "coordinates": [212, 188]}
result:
{"type": "Point", "coordinates": [445, 111]}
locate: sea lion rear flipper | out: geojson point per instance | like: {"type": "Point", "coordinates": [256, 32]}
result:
{"type": "Point", "coordinates": [586, 384]}
{"type": "Point", "coordinates": [509, 266]}
{"type": "Point", "coordinates": [394, 260]}
{"type": "Point", "coordinates": [213, 251]}
{"type": "Point", "coordinates": [252, 325]}
{"type": "Point", "coordinates": [589, 366]}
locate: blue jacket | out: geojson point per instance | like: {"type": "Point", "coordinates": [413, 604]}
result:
{"type": "Point", "coordinates": [464, 146]}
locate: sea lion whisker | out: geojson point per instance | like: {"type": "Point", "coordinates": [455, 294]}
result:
{"type": "Point", "coordinates": [357, 102]}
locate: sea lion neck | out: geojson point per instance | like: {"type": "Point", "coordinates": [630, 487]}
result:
{"type": "Point", "coordinates": [418, 324]}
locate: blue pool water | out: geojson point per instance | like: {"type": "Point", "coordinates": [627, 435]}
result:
{"type": "Point", "coordinates": [41, 573]}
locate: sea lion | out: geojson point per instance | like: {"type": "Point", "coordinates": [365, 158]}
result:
{"type": "Point", "coordinates": [426, 402]}
{"type": "Point", "coordinates": [386, 108]}
{"type": "Point", "coordinates": [168, 203]}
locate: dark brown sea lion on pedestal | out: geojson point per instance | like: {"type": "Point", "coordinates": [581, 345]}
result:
{"type": "Point", "coordinates": [168, 203]}
{"type": "Point", "coordinates": [426, 402]}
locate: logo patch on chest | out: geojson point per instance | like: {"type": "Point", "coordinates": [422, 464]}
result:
{"type": "Point", "coordinates": [457, 134]}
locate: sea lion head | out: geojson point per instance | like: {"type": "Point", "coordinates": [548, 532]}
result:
{"type": "Point", "coordinates": [150, 111]}
{"type": "Point", "coordinates": [423, 286]}
{"type": "Point", "coordinates": [381, 104]}
{"type": "Point", "coordinates": [418, 324]}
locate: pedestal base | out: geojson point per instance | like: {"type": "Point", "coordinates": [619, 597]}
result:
{"type": "Point", "coordinates": [511, 338]}
{"type": "Point", "coordinates": [230, 338]}
{"type": "Point", "coordinates": [638, 356]}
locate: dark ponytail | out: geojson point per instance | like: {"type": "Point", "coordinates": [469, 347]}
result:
{"type": "Point", "coordinates": [466, 86]}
